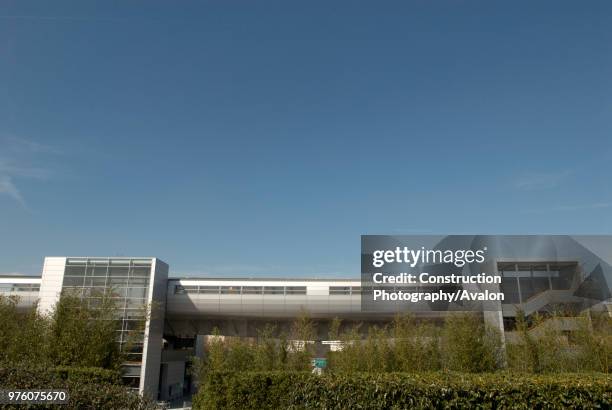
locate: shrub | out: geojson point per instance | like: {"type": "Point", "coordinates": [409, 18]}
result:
{"type": "Point", "coordinates": [416, 345]}
{"type": "Point", "coordinates": [23, 335]}
{"type": "Point", "coordinates": [84, 335]}
{"type": "Point", "coordinates": [542, 346]}
{"type": "Point", "coordinates": [88, 388]}
{"type": "Point", "coordinates": [293, 390]}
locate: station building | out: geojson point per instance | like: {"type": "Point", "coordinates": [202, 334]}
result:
{"type": "Point", "coordinates": [186, 310]}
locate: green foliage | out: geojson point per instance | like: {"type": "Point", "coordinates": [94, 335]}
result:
{"type": "Point", "coordinates": [77, 333]}
{"type": "Point", "coordinates": [416, 345]}
{"type": "Point", "coordinates": [23, 335]}
{"type": "Point", "coordinates": [542, 347]}
{"type": "Point", "coordinates": [464, 344]}
{"type": "Point", "coordinates": [594, 338]}
{"type": "Point", "coordinates": [298, 390]}
{"type": "Point", "coordinates": [303, 329]}
{"type": "Point", "coordinates": [89, 388]}
{"type": "Point", "coordinates": [469, 345]}
{"type": "Point", "coordinates": [91, 374]}
{"type": "Point", "coordinates": [74, 348]}
{"type": "Point", "coordinates": [350, 359]}
{"type": "Point", "coordinates": [84, 335]}
{"type": "Point", "coordinates": [268, 352]}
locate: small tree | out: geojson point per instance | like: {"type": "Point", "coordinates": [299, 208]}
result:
{"type": "Point", "coordinates": [267, 354]}
{"type": "Point", "coordinates": [469, 345]}
{"type": "Point", "coordinates": [84, 333]}
{"type": "Point", "coordinates": [303, 330]}
{"type": "Point", "coordinates": [239, 355]}
{"type": "Point", "coordinates": [593, 340]}
{"type": "Point", "coordinates": [350, 358]}
{"type": "Point", "coordinates": [416, 346]}
{"type": "Point", "coordinates": [23, 334]}
{"type": "Point", "coordinates": [215, 352]}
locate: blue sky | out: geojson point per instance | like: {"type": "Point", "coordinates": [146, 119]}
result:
{"type": "Point", "coordinates": [263, 138]}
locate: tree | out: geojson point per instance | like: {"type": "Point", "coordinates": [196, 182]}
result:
{"type": "Point", "coordinates": [469, 345]}
{"type": "Point", "coordinates": [23, 334]}
{"type": "Point", "coordinates": [303, 331]}
{"type": "Point", "coordinates": [84, 333]}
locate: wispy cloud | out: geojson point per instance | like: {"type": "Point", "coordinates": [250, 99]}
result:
{"type": "Point", "coordinates": [13, 274]}
{"type": "Point", "coordinates": [538, 181]}
{"type": "Point", "coordinates": [572, 208]}
{"type": "Point", "coordinates": [597, 205]}
{"type": "Point", "coordinates": [7, 187]}
{"type": "Point", "coordinates": [58, 18]}
{"type": "Point", "coordinates": [20, 144]}
{"type": "Point", "coordinates": [16, 162]}
{"type": "Point", "coordinates": [11, 168]}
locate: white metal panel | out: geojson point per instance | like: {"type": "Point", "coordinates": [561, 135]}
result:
{"type": "Point", "coordinates": [51, 283]}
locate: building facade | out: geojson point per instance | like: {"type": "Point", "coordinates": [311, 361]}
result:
{"type": "Point", "coordinates": [184, 311]}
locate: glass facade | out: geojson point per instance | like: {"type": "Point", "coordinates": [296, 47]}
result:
{"type": "Point", "coordinates": [127, 281]}
{"type": "Point", "coordinates": [240, 290]}
{"type": "Point", "coordinates": [260, 290]}
{"type": "Point", "coordinates": [344, 290]}
{"type": "Point", "coordinates": [524, 280]}
{"type": "Point", "coordinates": [19, 287]}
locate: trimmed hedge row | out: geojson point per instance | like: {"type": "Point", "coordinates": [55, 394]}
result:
{"type": "Point", "coordinates": [297, 390]}
{"type": "Point", "coordinates": [88, 388]}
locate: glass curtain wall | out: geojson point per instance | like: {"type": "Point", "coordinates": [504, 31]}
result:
{"type": "Point", "coordinates": [127, 282]}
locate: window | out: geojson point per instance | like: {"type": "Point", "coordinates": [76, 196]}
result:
{"type": "Point", "coordinates": [523, 280]}
{"type": "Point", "coordinates": [209, 290]}
{"type": "Point", "coordinates": [190, 289]}
{"type": "Point", "coordinates": [138, 281]}
{"type": "Point", "coordinates": [20, 287]}
{"type": "Point", "coordinates": [274, 290]}
{"type": "Point", "coordinates": [120, 271]}
{"type": "Point", "coordinates": [296, 290]}
{"type": "Point", "coordinates": [141, 271]}
{"type": "Point", "coordinates": [180, 290]}
{"type": "Point", "coordinates": [252, 290]}
{"type": "Point", "coordinates": [339, 290]}
{"type": "Point", "coordinates": [96, 281]}
{"type": "Point", "coordinates": [73, 281]}
{"type": "Point", "coordinates": [230, 290]}
{"type": "Point", "coordinates": [114, 282]}
{"type": "Point", "coordinates": [74, 271]}
{"type": "Point", "coordinates": [139, 293]}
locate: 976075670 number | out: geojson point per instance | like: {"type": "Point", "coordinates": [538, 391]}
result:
{"type": "Point", "coordinates": [36, 396]}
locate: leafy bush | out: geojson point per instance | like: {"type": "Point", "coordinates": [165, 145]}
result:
{"type": "Point", "coordinates": [88, 388]}
{"type": "Point", "coordinates": [469, 345]}
{"type": "Point", "coordinates": [76, 333]}
{"type": "Point", "coordinates": [465, 343]}
{"type": "Point", "coordinates": [23, 335]}
{"type": "Point", "coordinates": [270, 351]}
{"type": "Point", "coordinates": [91, 374]}
{"type": "Point", "coordinates": [543, 347]}
{"type": "Point", "coordinates": [293, 390]}
{"type": "Point", "coordinates": [84, 335]}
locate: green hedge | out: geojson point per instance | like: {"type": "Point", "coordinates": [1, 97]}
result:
{"type": "Point", "coordinates": [88, 388]}
{"type": "Point", "coordinates": [295, 390]}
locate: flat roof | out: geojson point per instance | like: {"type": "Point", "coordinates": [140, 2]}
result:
{"type": "Point", "coordinates": [250, 278]}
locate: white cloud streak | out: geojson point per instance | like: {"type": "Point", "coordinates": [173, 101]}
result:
{"type": "Point", "coordinates": [7, 187]}
{"type": "Point", "coordinates": [17, 154]}
{"type": "Point", "coordinates": [533, 182]}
